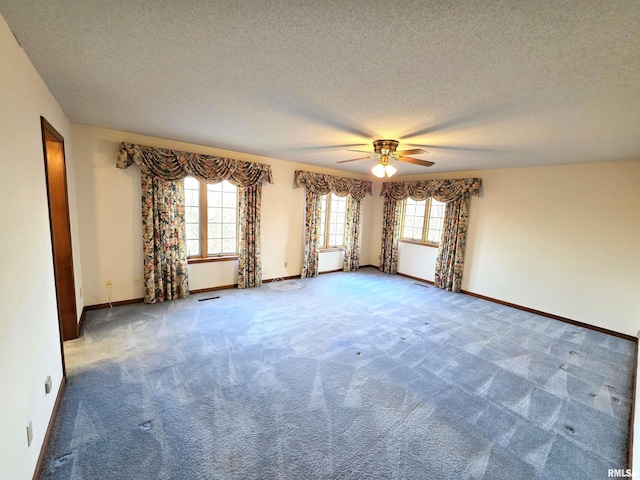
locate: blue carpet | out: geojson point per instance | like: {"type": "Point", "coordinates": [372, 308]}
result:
{"type": "Point", "coordinates": [357, 375]}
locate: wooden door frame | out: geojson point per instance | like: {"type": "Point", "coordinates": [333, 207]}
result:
{"type": "Point", "coordinates": [59, 222]}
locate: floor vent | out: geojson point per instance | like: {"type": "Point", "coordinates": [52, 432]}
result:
{"type": "Point", "coordinates": [208, 298]}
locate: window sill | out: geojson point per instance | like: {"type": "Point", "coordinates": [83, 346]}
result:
{"type": "Point", "coordinates": [418, 242]}
{"type": "Point", "coordinates": [332, 249]}
{"type": "Point", "coordinates": [221, 258]}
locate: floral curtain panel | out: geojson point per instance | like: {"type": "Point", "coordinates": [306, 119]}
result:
{"type": "Point", "coordinates": [249, 264]}
{"type": "Point", "coordinates": [165, 253]}
{"type": "Point", "coordinates": [391, 214]}
{"type": "Point", "coordinates": [352, 235]}
{"type": "Point", "coordinates": [457, 194]}
{"type": "Point", "coordinates": [316, 185]}
{"type": "Point", "coordinates": [454, 239]}
{"type": "Point", "coordinates": [311, 234]}
{"type": "Point", "coordinates": [163, 232]}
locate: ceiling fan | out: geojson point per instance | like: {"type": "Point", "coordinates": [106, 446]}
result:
{"type": "Point", "coordinates": [385, 150]}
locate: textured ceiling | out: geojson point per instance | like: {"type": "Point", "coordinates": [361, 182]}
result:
{"type": "Point", "coordinates": [484, 84]}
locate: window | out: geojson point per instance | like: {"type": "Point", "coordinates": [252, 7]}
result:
{"type": "Point", "coordinates": [332, 222]}
{"type": "Point", "coordinates": [211, 230]}
{"type": "Point", "coordinates": [422, 220]}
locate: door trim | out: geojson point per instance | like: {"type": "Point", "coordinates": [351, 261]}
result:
{"type": "Point", "coordinates": [60, 226]}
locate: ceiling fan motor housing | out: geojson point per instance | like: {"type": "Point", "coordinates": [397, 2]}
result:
{"type": "Point", "coordinates": [385, 150]}
{"type": "Point", "coordinates": [387, 145]}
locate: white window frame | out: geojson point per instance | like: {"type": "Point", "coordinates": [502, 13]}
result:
{"type": "Point", "coordinates": [430, 224]}
{"type": "Point", "coordinates": [328, 218]}
{"type": "Point", "coordinates": [204, 222]}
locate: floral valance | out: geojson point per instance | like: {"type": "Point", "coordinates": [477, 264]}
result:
{"type": "Point", "coordinates": [441, 190]}
{"type": "Point", "coordinates": [174, 164]}
{"type": "Point", "coordinates": [322, 184]}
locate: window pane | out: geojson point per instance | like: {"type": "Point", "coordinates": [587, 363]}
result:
{"type": "Point", "coordinates": [229, 200]}
{"type": "Point", "coordinates": [434, 236]}
{"type": "Point", "coordinates": [229, 215]}
{"type": "Point", "coordinates": [193, 231]}
{"type": "Point", "coordinates": [214, 199]}
{"type": "Point", "coordinates": [214, 215]}
{"type": "Point", "coordinates": [408, 233]}
{"type": "Point", "coordinates": [435, 223]}
{"type": "Point", "coordinates": [413, 219]}
{"type": "Point", "coordinates": [191, 197]}
{"type": "Point", "coordinates": [410, 209]}
{"type": "Point", "coordinates": [332, 220]}
{"type": "Point", "coordinates": [337, 211]}
{"type": "Point", "coordinates": [229, 246]}
{"type": "Point", "coordinates": [222, 215]}
{"type": "Point", "coordinates": [229, 230]}
{"type": "Point", "coordinates": [191, 183]}
{"type": "Point", "coordinates": [323, 219]}
{"type": "Point", "coordinates": [439, 206]}
{"type": "Point", "coordinates": [215, 230]}
{"type": "Point", "coordinates": [337, 219]}
{"type": "Point", "coordinates": [436, 213]}
{"type": "Point", "coordinates": [193, 247]}
{"type": "Point", "coordinates": [215, 247]}
{"type": "Point", "coordinates": [437, 210]}
{"type": "Point", "coordinates": [191, 214]}
{"type": "Point", "coordinates": [409, 221]}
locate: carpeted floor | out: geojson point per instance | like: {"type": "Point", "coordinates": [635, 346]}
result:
{"type": "Point", "coordinates": [353, 376]}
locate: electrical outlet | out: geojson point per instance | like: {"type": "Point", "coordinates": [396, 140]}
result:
{"type": "Point", "coordinates": [108, 284]}
{"type": "Point", "coordinates": [286, 264]}
{"type": "Point", "coordinates": [29, 433]}
{"type": "Point", "coordinates": [136, 281]}
{"type": "Point", "coordinates": [47, 385]}
{"type": "Point", "coordinates": [80, 292]}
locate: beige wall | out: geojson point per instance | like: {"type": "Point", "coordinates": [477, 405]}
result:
{"type": "Point", "coordinates": [560, 239]}
{"type": "Point", "coordinates": [111, 232]}
{"type": "Point", "coordinates": [29, 334]}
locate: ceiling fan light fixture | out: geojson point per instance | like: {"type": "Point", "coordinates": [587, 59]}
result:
{"type": "Point", "coordinates": [378, 170]}
{"type": "Point", "coordinates": [390, 170]}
